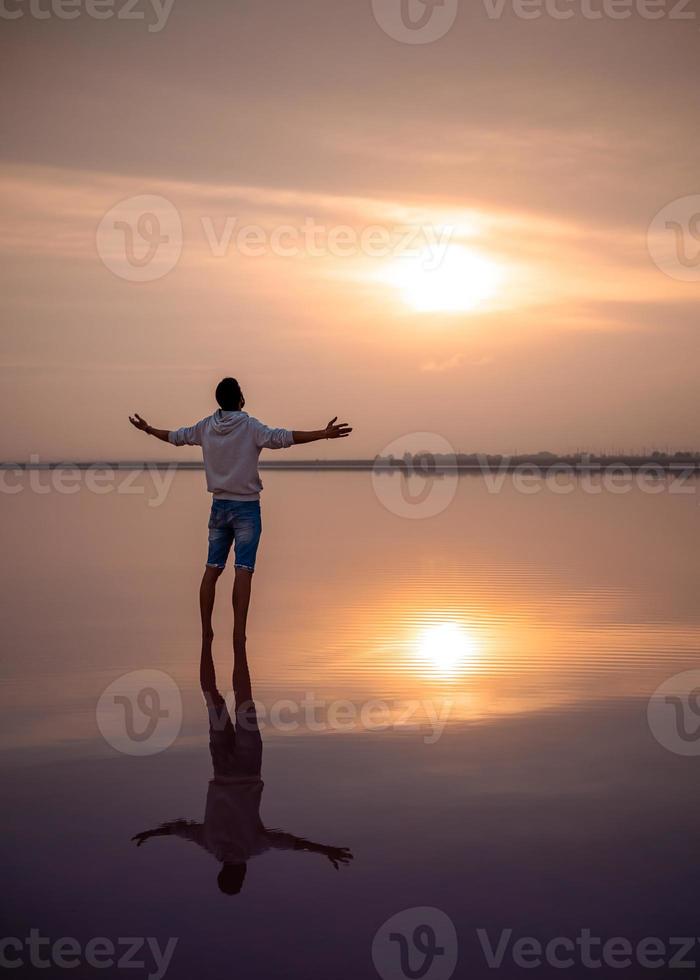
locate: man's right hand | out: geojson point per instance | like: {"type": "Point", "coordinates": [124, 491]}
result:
{"type": "Point", "coordinates": [339, 431]}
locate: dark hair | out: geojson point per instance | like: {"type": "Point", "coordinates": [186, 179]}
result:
{"type": "Point", "coordinates": [231, 878]}
{"type": "Point", "coordinates": [229, 395]}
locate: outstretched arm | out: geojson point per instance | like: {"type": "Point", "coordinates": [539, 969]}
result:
{"type": "Point", "coordinates": [143, 426]}
{"type": "Point", "coordinates": [179, 828]}
{"type": "Point", "coordinates": [332, 431]}
{"type": "Point", "coordinates": [289, 842]}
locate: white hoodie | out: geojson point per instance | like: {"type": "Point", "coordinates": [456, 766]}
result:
{"type": "Point", "coordinates": [231, 444]}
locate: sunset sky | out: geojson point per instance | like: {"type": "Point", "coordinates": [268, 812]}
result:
{"type": "Point", "coordinates": [536, 152]}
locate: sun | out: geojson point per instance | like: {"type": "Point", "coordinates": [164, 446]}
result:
{"type": "Point", "coordinates": [446, 649]}
{"type": "Point", "coordinates": [458, 280]}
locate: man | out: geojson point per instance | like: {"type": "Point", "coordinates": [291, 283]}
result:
{"type": "Point", "coordinates": [232, 831]}
{"type": "Point", "coordinates": [231, 441]}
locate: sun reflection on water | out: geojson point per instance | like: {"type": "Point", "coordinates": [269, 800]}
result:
{"type": "Point", "coordinates": [446, 649]}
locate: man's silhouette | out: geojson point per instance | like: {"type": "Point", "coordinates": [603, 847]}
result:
{"type": "Point", "coordinates": [231, 442]}
{"type": "Point", "coordinates": [232, 831]}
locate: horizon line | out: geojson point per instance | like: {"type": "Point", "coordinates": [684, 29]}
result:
{"type": "Point", "coordinates": [457, 461]}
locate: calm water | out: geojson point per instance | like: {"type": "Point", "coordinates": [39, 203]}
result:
{"type": "Point", "coordinates": [494, 760]}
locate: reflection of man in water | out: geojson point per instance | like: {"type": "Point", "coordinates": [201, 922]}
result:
{"type": "Point", "coordinates": [232, 830]}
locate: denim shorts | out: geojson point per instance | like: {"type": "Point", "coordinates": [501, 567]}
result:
{"type": "Point", "coordinates": [236, 750]}
{"type": "Point", "coordinates": [236, 521]}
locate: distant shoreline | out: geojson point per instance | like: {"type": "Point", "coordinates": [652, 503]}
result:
{"type": "Point", "coordinates": [424, 464]}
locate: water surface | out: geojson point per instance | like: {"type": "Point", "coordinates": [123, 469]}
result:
{"type": "Point", "coordinates": [524, 790]}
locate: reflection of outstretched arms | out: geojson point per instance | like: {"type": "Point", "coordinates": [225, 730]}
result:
{"type": "Point", "coordinates": [179, 828]}
{"type": "Point", "coordinates": [288, 842]}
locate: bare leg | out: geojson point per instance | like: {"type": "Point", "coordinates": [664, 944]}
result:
{"type": "Point", "coordinates": [207, 594]}
{"type": "Point", "coordinates": [241, 601]}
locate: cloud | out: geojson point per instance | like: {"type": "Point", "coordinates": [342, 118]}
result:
{"type": "Point", "coordinates": [449, 364]}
